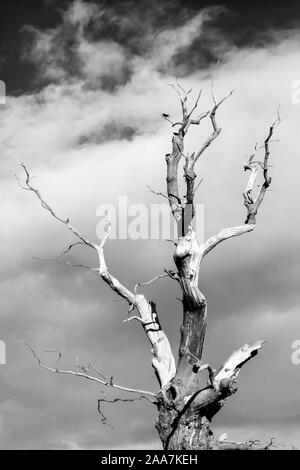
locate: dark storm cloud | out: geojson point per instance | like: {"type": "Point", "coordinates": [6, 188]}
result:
{"type": "Point", "coordinates": [110, 131]}
{"type": "Point", "coordinates": [69, 50]}
{"type": "Point", "coordinates": [132, 24]}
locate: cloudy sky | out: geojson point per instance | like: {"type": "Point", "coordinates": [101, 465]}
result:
{"type": "Point", "coordinates": [86, 85]}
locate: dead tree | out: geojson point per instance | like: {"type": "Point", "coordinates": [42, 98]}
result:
{"type": "Point", "coordinates": [185, 407]}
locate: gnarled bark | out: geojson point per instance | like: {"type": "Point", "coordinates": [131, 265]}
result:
{"type": "Point", "coordinates": [185, 407]}
{"type": "Point", "coordinates": [186, 410]}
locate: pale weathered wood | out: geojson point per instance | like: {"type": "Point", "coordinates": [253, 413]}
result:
{"type": "Point", "coordinates": [185, 407]}
{"type": "Point", "coordinates": [163, 359]}
{"type": "Point", "coordinates": [186, 410]}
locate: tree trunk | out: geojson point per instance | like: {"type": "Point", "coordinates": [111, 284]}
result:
{"type": "Point", "coordinates": [192, 434]}
{"type": "Point", "coordinates": [182, 424]}
{"type": "Point", "coordinates": [185, 409]}
{"type": "Point", "coordinates": [187, 257]}
{"type": "Point", "coordinates": [190, 431]}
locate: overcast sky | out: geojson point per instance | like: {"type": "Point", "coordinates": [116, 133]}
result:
{"type": "Point", "coordinates": [86, 86]}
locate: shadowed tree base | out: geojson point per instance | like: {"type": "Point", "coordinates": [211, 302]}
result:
{"type": "Point", "coordinates": [184, 432]}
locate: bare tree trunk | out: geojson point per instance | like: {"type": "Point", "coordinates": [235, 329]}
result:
{"type": "Point", "coordinates": [186, 410]}
{"type": "Point", "coordinates": [192, 431]}
{"type": "Point", "coordinates": [185, 407]}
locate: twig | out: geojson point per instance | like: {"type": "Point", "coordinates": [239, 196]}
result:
{"type": "Point", "coordinates": [55, 350]}
{"type": "Point", "coordinates": [81, 266]}
{"type": "Point", "coordinates": [104, 419]}
{"type": "Point", "coordinates": [49, 209]}
{"type": "Point", "coordinates": [216, 129]}
{"type": "Point", "coordinates": [62, 254]}
{"type": "Point", "coordinates": [160, 276]}
{"type": "Point", "coordinates": [162, 194]}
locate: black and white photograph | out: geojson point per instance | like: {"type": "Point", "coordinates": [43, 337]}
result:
{"type": "Point", "coordinates": [149, 242]}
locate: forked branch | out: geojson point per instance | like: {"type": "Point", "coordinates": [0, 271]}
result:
{"type": "Point", "coordinates": [223, 383]}
{"type": "Point", "coordinates": [184, 212]}
{"type": "Point", "coordinates": [251, 201]}
{"type": "Point", "coordinates": [117, 400]}
{"type": "Point", "coordinates": [163, 360]}
{"type": "Point", "coordinates": [216, 130]}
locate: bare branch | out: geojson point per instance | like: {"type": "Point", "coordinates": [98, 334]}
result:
{"type": "Point", "coordinates": [216, 130]}
{"type": "Point", "coordinates": [211, 372]}
{"type": "Point", "coordinates": [200, 182]}
{"type": "Point", "coordinates": [134, 318]}
{"type": "Point", "coordinates": [183, 99]}
{"type": "Point", "coordinates": [61, 254]}
{"type": "Point", "coordinates": [87, 376]}
{"type": "Point", "coordinates": [116, 400]}
{"type": "Point", "coordinates": [252, 204]}
{"type": "Point", "coordinates": [224, 235]}
{"type": "Point", "coordinates": [230, 370]}
{"type": "Point", "coordinates": [169, 240]}
{"type": "Point", "coordinates": [251, 444]}
{"type": "Point", "coordinates": [165, 196]}
{"type": "Point", "coordinates": [163, 360]}
{"type": "Point", "coordinates": [57, 351]}
{"type": "Point", "coordinates": [166, 117]}
{"type": "Point", "coordinates": [156, 278]}
{"type": "Point", "coordinates": [46, 206]}
{"type": "Point", "coordinates": [196, 103]}
{"type": "Point", "coordinates": [81, 266]}
{"type": "Point", "coordinates": [186, 115]}
{"type": "Point", "coordinates": [168, 273]}
{"type": "Point", "coordinates": [182, 213]}
{"type": "Point", "coordinates": [212, 398]}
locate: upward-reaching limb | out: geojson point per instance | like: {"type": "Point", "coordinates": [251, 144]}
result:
{"type": "Point", "coordinates": [184, 212]}
{"type": "Point", "coordinates": [251, 201]}
{"type": "Point", "coordinates": [187, 255]}
{"type": "Point", "coordinates": [163, 360]}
